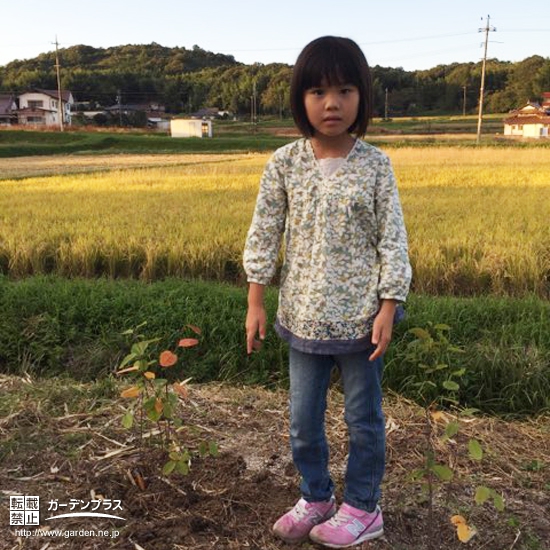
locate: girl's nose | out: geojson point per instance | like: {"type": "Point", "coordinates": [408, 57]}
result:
{"type": "Point", "coordinates": [332, 101]}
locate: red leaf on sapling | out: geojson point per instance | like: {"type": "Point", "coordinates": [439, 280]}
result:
{"type": "Point", "coordinates": [168, 359]}
{"type": "Point", "coordinates": [188, 342]}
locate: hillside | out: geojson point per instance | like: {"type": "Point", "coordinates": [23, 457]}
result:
{"type": "Point", "coordinates": [185, 80]}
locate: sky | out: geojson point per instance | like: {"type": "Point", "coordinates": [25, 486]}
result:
{"type": "Point", "coordinates": [412, 34]}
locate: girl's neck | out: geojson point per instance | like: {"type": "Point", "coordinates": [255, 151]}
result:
{"type": "Point", "coordinates": [332, 146]}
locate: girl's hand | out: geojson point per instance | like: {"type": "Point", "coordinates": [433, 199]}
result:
{"type": "Point", "coordinates": [382, 328]}
{"type": "Point", "coordinates": [255, 325]}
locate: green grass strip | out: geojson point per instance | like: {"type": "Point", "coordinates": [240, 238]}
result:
{"type": "Point", "coordinates": [51, 326]}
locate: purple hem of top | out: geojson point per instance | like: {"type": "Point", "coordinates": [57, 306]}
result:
{"type": "Point", "coordinates": [330, 347]}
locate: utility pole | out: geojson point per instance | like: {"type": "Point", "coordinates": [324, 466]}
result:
{"type": "Point", "coordinates": [464, 101]}
{"type": "Point", "coordinates": [386, 106]}
{"type": "Point", "coordinates": [481, 89]}
{"type": "Point", "coordinates": [59, 94]}
{"type": "Point", "coordinates": [253, 107]}
{"type": "Point", "coordinates": [119, 101]}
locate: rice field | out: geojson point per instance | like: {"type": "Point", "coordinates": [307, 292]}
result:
{"type": "Point", "coordinates": [478, 218]}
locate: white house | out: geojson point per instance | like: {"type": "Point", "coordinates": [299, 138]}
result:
{"type": "Point", "coordinates": [41, 107]}
{"type": "Point", "coordinates": [531, 121]}
{"type": "Point", "coordinates": [181, 127]}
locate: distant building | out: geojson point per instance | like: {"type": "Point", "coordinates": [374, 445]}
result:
{"type": "Point", "coordinates": [531, 121]}
{"type": "Point", "coordinates": [41, 107]}
{"type": "Point", "coordinates": [8, 109]}
{"type": "Point", "coordinates": [182, 127]}
{"type": "Point", "coordinates": [210, 113]}
{"type": "Point", "coordinates": [154, 114]}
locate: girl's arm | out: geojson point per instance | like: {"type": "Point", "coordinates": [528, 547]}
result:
{"type": "Point", "coordinates": [262, 248]}
{"type": "Point", "coordinates": [255, 316]}
{"type": "Point", "coordinates": [395, 269]}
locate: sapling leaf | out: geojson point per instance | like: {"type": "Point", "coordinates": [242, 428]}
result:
{"type": "Point", "coordinates": [168, 468]}
{"type": "Point", "coordinates": [498, 502]}
{"type": "Point", "coordinates": [482, 494]}
{"type": "Point", "coordinates": [174, 456]}
{"type": "Point", "coordinates": [475, 449]}
{"type": "Point", "coordinates": [153, 415]}
{"type": "Point", "coordinates": [134, 391]}
{"type": "Point", "coordinates": [149, 403]}
{"type": "Point", "coordinates": [203, 448]}
{"type": "Point", "coordinates": [168, 410]}
{"type": "Point", "coordinates": [465, 532]}
{"type": "Point", "coordinates": [134, 368]}
{"type": "Point", "coordinates": [127, 360]}
{"type": "Point", "coordinates": [444, 473]}
{"type": "Point", "coordinates": [139, 348]}
{"type": "Point", "coordinates": [142, 364]}
{"type": "Point", "coordinates": [128, 420]}
{"type": "Point", "coordinates": [159, 405]}
{"type": "Point", "coordinates": [213, 449]}
{"type": "Point", "coordinates": [451, 385]}
{"type": "Point", "coordinates": [451, 429]}
{"type": "Point", "coordinates": [167, 359]}
{"type": "Point", "coordinates": [417, 474]}
{"type": "Point", "coordinates": [182, 466]}
{"type": "Point", "coordinates": [188, 342]}
{"type": "Point", "coordinates": [194, 328]}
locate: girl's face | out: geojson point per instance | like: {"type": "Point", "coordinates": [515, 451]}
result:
{"type": "Point", "coordinates": [331, 110]}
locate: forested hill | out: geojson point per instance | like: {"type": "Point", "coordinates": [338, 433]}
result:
{"type": "Point", "coordinates": [185, 80]}
{"type": "Point", "coordinates": [151, 58]}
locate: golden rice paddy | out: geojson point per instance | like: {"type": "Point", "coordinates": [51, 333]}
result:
{"type": "Point", "coordinates": [478, 219]}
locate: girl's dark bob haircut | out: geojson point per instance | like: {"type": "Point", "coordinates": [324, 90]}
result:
{"type": "Point", "coordinates": [332, 61]}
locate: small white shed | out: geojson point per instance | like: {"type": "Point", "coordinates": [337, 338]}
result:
{"type": "Point", "coordinates": [181, 127]}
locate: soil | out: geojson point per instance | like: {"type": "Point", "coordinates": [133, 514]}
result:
{"type": "Point", "coordinates": [230, 501]}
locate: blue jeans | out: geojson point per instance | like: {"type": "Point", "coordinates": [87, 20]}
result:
{"type": "Point", "coordinates": [309, 383]}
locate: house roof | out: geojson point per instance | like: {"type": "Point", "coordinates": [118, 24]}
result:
{"type": "Point", "coordinates": [533, 119]}
{"type": "Point", "coordinates": [531, 113]}
{"type": "Point", "coordinates": [66, 95]}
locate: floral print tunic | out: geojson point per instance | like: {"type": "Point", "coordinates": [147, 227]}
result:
{"type": "Point", "coordinates": [345, 245]}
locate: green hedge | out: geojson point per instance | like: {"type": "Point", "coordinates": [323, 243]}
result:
{"type": "Point", "coordinates": [50, 325]}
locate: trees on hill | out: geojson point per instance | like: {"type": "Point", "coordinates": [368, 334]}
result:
{"type": "Point", "coordinates": [185, 80]}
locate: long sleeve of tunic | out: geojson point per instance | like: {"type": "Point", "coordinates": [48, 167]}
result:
{"type": "Point", "coordinates": [345, 243]}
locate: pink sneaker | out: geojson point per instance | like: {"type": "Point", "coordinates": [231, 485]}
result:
{"type": "Point", "coordinates": [350, 526]}
{"type": "Point", "coordinates": [294, 526]}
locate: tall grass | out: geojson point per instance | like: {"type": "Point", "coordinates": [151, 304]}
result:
{"type": "Point", "coordinates": [51, 325]}
{"type": "Point", "coordinates": [477, 220]}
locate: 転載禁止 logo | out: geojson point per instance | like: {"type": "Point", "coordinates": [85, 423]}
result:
{"type": "Point", "coordinates": [25, 510]}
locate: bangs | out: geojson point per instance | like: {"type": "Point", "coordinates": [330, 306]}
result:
{"type": "Point", "coordinates": [329, 68]}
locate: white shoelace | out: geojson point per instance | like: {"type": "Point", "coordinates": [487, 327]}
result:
{"type": "Point", "coordinates": [340, 518]}
{"type": "Point", "coordinates": [299, 511]}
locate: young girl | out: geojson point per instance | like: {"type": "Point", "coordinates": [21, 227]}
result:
{"type": "Point", "coordinates": [345, 270]}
